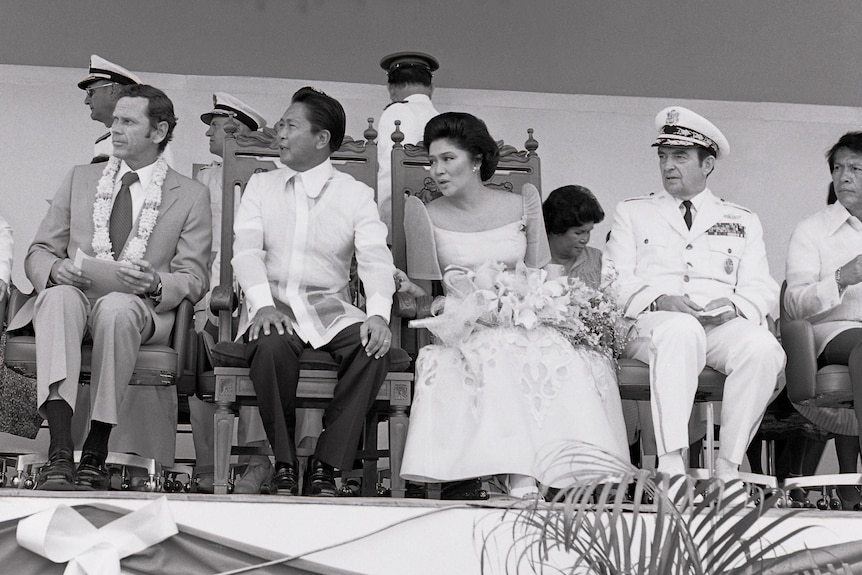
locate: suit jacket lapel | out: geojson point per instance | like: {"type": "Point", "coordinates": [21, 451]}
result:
{"type": "Point", "coordinates": [169, 196]}
{"type": "Point", "coordinates": [169, 191]}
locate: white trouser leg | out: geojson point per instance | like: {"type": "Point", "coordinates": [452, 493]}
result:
{"type": "Point", "coordinates": [752, 359]}
{"type": "Point", "coordinates": [674, 346]}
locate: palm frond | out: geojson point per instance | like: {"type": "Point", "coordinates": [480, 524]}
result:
{"type": "Point", "coordinates": [669, 526]}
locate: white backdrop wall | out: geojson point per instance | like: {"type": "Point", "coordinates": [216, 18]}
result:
{"type": "Point", "coordinates": [776, 166]}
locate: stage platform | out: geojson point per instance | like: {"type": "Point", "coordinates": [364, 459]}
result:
{"type": "Point", "coordinates": [376, 536]}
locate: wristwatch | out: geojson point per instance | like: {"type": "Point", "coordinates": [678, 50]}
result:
{"type": "Point", "coordinates": [156, 295]}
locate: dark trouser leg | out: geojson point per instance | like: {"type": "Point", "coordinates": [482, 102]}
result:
{"type": "Point", "coordinates": [359, 379]}
{"type": "Point", "coordinates": [274, 371]}
{"type": "Point", "coordinates": [846, 349]}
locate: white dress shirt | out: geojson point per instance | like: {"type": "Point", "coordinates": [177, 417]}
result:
{"type": "Point", "coordinates": [137, 189]}
{"type": "Point", "coordinates": [820, 245]}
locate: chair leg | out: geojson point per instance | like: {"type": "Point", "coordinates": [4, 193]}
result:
{"type": "Point", "coordinates": [223, 422]}
{"type": "Point", "coordinates": [770, 457]}
{"type": "Point", "coordinates": [398, 423]}
{"type": "Point", "coordinates": [710, 439]}
{"type": "Point", "coordinates": [369, 462]}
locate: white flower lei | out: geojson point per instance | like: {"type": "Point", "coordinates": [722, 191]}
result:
{"type": "Point", "coordinates": [137, 246]}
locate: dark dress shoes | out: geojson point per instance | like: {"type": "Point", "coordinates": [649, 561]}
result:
{"type": "Point", "coordinates": [92, 475]}
{"type": "Point", "coordinates": [319, 479]}
{"type": "Point", "coordinates": [285, 479]}
{"type": "Point", "coordinates": [58, 474]}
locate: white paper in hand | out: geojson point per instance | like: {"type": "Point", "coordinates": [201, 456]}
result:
{"type": "Point", "coordinates": [102, 274]}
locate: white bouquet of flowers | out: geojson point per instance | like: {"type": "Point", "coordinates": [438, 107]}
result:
{"type": "Point", "coordinates": [524, 297]}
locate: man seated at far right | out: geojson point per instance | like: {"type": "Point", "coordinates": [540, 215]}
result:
{"type": "Point", "coordinates": [693, 275]}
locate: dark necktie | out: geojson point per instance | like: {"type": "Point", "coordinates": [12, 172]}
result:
{"type": "Point", "coordinates": [121, 214]}
{"type": "Point", "coordinates": [687, 215]}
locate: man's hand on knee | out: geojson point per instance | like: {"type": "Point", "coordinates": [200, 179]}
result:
{"type": "Point", "coordinates": [64, 272]}
{"type": "Point", "coordinates": [266, 319]}
{"type": "Point", "coordinates": [375, 336]}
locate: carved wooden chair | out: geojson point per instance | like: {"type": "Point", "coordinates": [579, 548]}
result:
{"type": "Point", "coordinates": [411, 177]}
{"type": "Point", "coordinates": [243, 157]}
{"type": "Point", "coordinates": [157, 365]}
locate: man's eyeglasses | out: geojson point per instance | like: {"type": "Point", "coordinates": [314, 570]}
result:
{"type": "Point", "coordinates": [91, 90]}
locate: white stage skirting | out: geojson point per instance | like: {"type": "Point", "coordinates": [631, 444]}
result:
{"type": "Point", "coordinates": [373, 536]}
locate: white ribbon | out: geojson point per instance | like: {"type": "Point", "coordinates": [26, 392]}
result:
{"type": "Point", "coordinates": [62, 535]}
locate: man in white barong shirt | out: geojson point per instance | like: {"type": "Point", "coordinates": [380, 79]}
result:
{"type": "Point", "coordinates": [296, 232]}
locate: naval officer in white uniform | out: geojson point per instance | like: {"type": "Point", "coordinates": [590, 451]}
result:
{"type": "Point", "coordinates": [693, 274]}
{"type": "Point", "coordinates": [409, 79]}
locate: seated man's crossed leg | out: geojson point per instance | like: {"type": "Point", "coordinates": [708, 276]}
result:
{"type": "Point", "coordinates": [119, 323]}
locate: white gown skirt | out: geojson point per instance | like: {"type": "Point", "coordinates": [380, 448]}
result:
{"type": "Point", "coordinates": [511, 400]}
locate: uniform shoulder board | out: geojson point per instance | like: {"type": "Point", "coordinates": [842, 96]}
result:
{"type": "Point", "coordinates": [103, 137]}
{"type": "Point", "coordinates": [636, 198]}
{"type": "Point", "coordinates": [733, 205]}
{"type": "Point", "coordinates": [392, 103]}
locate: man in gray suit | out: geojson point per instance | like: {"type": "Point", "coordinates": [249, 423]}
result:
{"type": "Point", "coordinates": [157, 223]}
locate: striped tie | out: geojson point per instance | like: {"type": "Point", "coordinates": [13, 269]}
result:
{"type": "Point", "coordinates": [121, 215]}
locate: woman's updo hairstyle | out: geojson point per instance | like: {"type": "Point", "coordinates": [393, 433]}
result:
{"type": "Point", "coordinates": [468, 133]}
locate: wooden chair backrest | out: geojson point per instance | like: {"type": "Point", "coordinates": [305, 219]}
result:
{"type": "Point", "coordinates": [411, 177]}
{"type": "Point", "coordinates": [257, 152]}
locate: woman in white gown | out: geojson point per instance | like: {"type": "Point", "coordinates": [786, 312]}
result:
{"type": "Point", "coordinates": [507, 399]}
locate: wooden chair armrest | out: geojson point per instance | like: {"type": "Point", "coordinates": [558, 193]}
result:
{"type": "Point", "coordinates": [223, 298]}
{"type": "Point", "coordinates": [408, 307]}
{"type": "Point", "coordinates": [797, 337]}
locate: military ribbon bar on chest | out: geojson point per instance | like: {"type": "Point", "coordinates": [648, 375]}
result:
{"type": "Point", "coordinates": [727, 229]}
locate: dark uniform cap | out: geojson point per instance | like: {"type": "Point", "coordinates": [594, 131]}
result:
{"type": "Point", "coordinates": [403, 59]}
{"type": "Point", "coordinates": [101, 69]}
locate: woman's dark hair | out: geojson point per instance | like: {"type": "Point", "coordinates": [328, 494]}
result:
{"type": "Point", "coordinates": [159, 108]}
{"type": "Point", "coordinates": [468, 133]}
{"type": "Point", "coordinates": [851, 141]}
{"type": "Point", "coordinates": [324, 113]}
{"type": "Point", "coordinates": [569, 207]}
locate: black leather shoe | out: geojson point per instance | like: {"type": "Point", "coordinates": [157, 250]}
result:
{"type": "Point", "coordinates": [285, 480]}
{"type": "Point", "coordinates": [58, 474]}
{"type": "Point", "coordinates": [92, 475]}
{"type": "Point", "coordinates": [319, 479]}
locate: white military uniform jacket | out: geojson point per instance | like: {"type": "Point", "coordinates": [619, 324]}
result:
{"type": "Point", "coordinates": [414, 112]}
{"type": "Point", "coordinates": [722, 255]}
